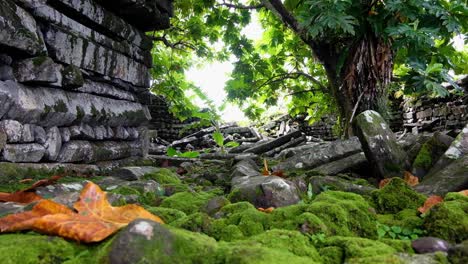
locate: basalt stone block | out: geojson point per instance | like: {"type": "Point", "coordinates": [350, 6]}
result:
{"type": "Point", "coordinates": [68, 48]}
{"type": "Point", "coordinates": [40, 135]}
{"type": "Point", "coordinates": [28, 133]}
{"type": "Point", "coordinates": [23, 152]}
{"type": "Point", "coordinates": [72, 77]}
{"type": "Point", "coordinates": [81, 151]}
{"type": "Point", "coordinates": [65, 134]}
{"type": "Point", "coordinates": [38, 70]}
{"type": "Point", "coordinates": [107, 90]}
{"type": "Point", "coordinates": [50, 107]}
{"type": "Point", "coordinates": [19, 30]}
{"type": "Point", "coordinates": [6, 73]}
{"type": "Point", "coordinates": [13, 129]}
{"type": "Point", "coordinates": [380, 145]}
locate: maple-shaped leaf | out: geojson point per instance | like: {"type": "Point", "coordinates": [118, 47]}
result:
{"type": "Point", "coordinates": [410, 179]}
{"type": "Point", "coordinates": [430, 202]}
{"type": "Point", "coordinates": [94, 219]}
{"type": "Point", "coordinates": [93, 202]}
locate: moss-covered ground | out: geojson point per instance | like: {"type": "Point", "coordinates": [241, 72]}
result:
{"type": "Point", "coordinates": [332, 227]}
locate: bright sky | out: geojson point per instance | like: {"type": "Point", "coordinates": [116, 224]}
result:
{"type": "Point", "coordinates": [211, 78]}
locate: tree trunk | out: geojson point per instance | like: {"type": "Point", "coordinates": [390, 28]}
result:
{"type": "Point", "coordinates": [364, 79]}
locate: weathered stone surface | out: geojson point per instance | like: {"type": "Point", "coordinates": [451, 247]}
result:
{"type": "Point", "coordinates": [458, 254]}
{"type": "Point", "coordinates": [13, 129]}
{"type": "Point", "coordinates": [5, 59]}
{"type": "Point", "coordinates": [314, 157]}
{"type": "Point", "coordinates": [53, 107]}
{"type": "Point", "coordinates": [27, 135]}
{"type": "Point", "coordinates": [380, 145]}
{"type": "Point", "coordinates": [80, 151]}
{"type": "Point", "coordinates": [72, 77]}
{"type": "Point", "coordinates": [53, 144]}
{"type": "Point", "coordinates": [342, 165]}
{"type": "Point", "coordinates": [264, 191]}
{"type": "Point", "coordinates": [18, 30]}
{"type": "Point", "coordinates": [65, 134]}
{"type": "Point", "coordinates": [100, 132]}
{"type": "Point", "coordinates": [133, 173]}
{"type": "Point", "coordinates": [335, 183]}
{"type": "Point", "coordinates": [71, 49]}
{"type": "Point", "coordinates": [40, 135]}
{"type": "Point", "coordinates": [267, 146]}
{"type": "Point", "coordinates": [246, 167]}
{"type": "Point", "coordinates": [121, 133]}
{"type": "Point", "coordinates": [6, 73]}
{"type": "Point", "coordinates": [429, 153]}
{"type": "Point", "coordinates": [457, 150]}
{"type": "Point", "coordinates": [429, 245]}
{"type": "Point", "coordinates": [23, 152]}
{"type": "Point", "coordinates": [38, 70]}
{"type": "Point", "coordinates": [105, 90]}
{"type": "Point", "coordinates": [452, 178]}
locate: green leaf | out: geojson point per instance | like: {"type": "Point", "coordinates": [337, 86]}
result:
{"type": "Point", "coordinates": [190, 154]}
{"type": "Point", "coordinates": [396, 229]}
{"type": "Point", "coordinates": [232, 144]}
{"type": "Point", "coordinates": [218, 138]}
{"type": "Point", "coordinates": [381, 233]}
{"type": "Point", "coordinates": [171, 152]}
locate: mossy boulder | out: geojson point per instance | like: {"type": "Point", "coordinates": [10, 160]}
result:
{"type": "Point", "coordinates": [168, 215]}
{"type": "Point", "coordinates": [449, 219]}
{"type": "Point", "coordinates": [36, 249]}
{"type": "Point", "coordinates": [163, 176]}
{"type": "Point", "coordinates": [357, 250]}
{"type": "Point", "coordinates": [189, 202]}
{"type": "Point", "coordinates": [407, 218]}
{"type": "Point", "coordinates": [396, 196]}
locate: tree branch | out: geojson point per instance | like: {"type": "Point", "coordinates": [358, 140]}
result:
{"type": "Point", "coordinates": [175, 45]}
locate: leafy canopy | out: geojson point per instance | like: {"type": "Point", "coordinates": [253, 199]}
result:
{"type": "Point", "coordinates": [281, 66]}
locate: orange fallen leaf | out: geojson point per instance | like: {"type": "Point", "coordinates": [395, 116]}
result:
{"type": "Point", "coordinates": [410, 179]}
{"type": "Point", "coordinates": [384, 182]}
{"type": "Point", "coordinates": [20, 197]}
{"type": "Point", "coordinates": [268, 210]}
{"type": "Point", "coordinates": [265, 171]}
{"type": "Point", "coordinates": [94, 219]}
{"type": "Point", "coordinates": [464, 192]}
{"type": "Point", "coordinates": [278, 173]}
{"type": "Point", "coordinates": [430, 202]}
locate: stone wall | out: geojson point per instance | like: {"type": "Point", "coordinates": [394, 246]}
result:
{"type": "Point", "coordinates": [70, 75]}
{"type": "Point", "coordinates": [436, 114]}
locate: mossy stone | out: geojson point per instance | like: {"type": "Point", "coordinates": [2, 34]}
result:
{"type": "Point", "coordinates": [168, 215]}
{"type": "Point", "coordinates": [396, 196]}
{"type": "Point", "coordinates": [356, 247]}
{"type": "Point", "coordinates": [332, 255]}
{"type": "Point", "coordinates": [448, 220]}
{"type": "Point", "coordinates": [163, 176]}
{"type": "Point", "coordinates": [197, 222]}
{"type": "Point", "coordinates": [408, 218]}
{"type": "Point", "coordinates": [189, 202]}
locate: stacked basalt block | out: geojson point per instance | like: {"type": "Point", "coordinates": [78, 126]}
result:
{"type": "Point", "coordinates": [70, 75]}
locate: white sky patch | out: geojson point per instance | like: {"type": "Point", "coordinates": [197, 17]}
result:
{"type": "Point", "coordinates": [211, 78]}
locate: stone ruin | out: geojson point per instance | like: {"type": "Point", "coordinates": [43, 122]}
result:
{"type": "Point", "coordinates": [72, 75]}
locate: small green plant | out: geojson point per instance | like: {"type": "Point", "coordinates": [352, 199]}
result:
{"type": "Point", "coordinates": [218, 137]}
{"type": "Point", "coordinates": [172, 152]}
{"type": "Point", "coordinates": [398, 232]}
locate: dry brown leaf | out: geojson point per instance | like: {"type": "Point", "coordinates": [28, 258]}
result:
{"type": "Point", "coordinates": [430, 202]}
{"type": "Point", "coordinates": [410, 179]}
{"type": "Point", "coordinates": [384, 182]}
{"type": "Point", "coordinates": [464, 192]}
{"type": "Point", "coordinates": [94, 220]}
{"type": "Point", "coordinates": [20, 197]}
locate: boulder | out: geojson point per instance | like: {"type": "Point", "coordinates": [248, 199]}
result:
{"type": "Point", "coordinates": [28, 133]}
{"type": "Point", "coordinates": [76, 151]}
{"type": "Point", "coordinates": [458, 254]}
{"type": "Point", "coordinates": [429, 153]}
{"type": "Point", "coordinates": [452, 178]}
{"type": "Point", "coordinates": [19, 31]}
{"type": "Point", "coordinates": [6, 73]}
{"type": "Point", "coordinates": [267, 146]}
{"type": "Point", "coordinates": [40, 135]}
{"type": "Point", "coordinates": [264, 191]}
{"type": "Point", "coordinates": [133, 173]}
{"type": "Point", "coordinates": [429, 245]}
{"type": "Point", "coordinates": [23, 152]}
{"type": "Point", "coordinates": [72, 77]}
{"type": "Point", "coordinates": [314, 157]}
{"type": "Point", "coordinates": [380, 145]}
{"type": "Point", "coordinates": [38, 70]}
{"type": "Point", "coordinates": [458, 148]}
{"type": "Point", "coordinates": [335, 183]}
{"type": "Point", "coordinates": [342, 165]}
{"type": "Point", "coordinates": [65, 134]}
{"type": "Point", "coordinates": [13, 129]}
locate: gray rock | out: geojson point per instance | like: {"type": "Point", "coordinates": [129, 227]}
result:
{"type": "Point", "coordinates": [314, 157]}
{"type": "Point", "coordinates": [264, 191]}
{"type": "Point", "coordinates": [452, 178]}
{"type": "Point", "coordinates": [64, 193]}
{"type": "Point", "coordinates": [5, 60]}
{"type": "Point", "coordinates": [100, 132]}
{"type": "Point", "coordinates": [38, 70]}
{"type": "Point", "coordinates": [457, 149]}
{"type": "Point", "coordinates": [13, 129]}
{"type": "Point", "coordinates": [214, 205]}
{"type": "Point", "coordinates": [86, 132]}
{"type": "Point", "coordinates": [121, 133]}
{"type": "Point", "coordinates": [53, 144]}
{"type": "Point", "coordinates": [245, 167]}
{"type": "Point", "coordinates": [110, 133]}
{"type": "Point", "coordinates": [23, 152]}
{"type": "Point", "coordinates": [429, 153]}
{"type": "Point", "coordinates": [72, 77]}
{"type": "Point", "coordinates": [13, 20]}
{"type": "Point", "coordinates": [75, 151]}
{"type": "Point", "coordinates": [146, 241]}
{"type": "Point", "coordinates": [458, 254]}
{"type": "Point", "coordinates": [106, 90]}
{"type": "Point", "coordinates": [132, 133]}
{"type": "Point", "coordinates": [380, 145]}
{"type": "Point", "coordinates": [3, 139]}
{"type": "Point", "coordinates": [146, 186]}
{"type": "Point", "coordinates": [55, 107]}
{"type": "Point", "coordinates": [28, 133]}
{"type": "Point", "coordinates": [428, 258]}
{"type": "Point", "coordinates": [6, 73]}
{"type": "Point", "coordinates": [40, 135]}
{"type": "Point", "coordinates": [342, 165]}
{"type": "Point", "coordinates": [65, 134]}
{"type": "Point", "coordinates": [335, 183]}
{"type": "Point", "coordinates": [12, 208]}
{"type": "Point", "coordinates": [429, 245]}
{"type": "Point", "coordinates": [144, 141]}
{"type": "Point", "coordinates": [267, 146]}
{"type": "Point", "coordinates": [133, 173]}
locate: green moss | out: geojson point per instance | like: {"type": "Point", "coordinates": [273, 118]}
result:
{"type": "Point", "coordinates": [292, 241]}
{"type": "Point", "coordinates": [197, 222]}
{"type": "Point", "coordinates": [189, 202]}
{"type": "Point", "coordinates": [11, 174]}
{"type": "Point", "coordinates": [448, 220]}
{"type": "Point", "coordinates": [38, 61]}
{"type": "Point", "coordinates": [424, 158]}
{"type": "Point", "coordinates": [36, 249]}
{"type": "Point", "coordinates": [396, 196]}
{"type": "Point", "coordinates": [163, 176]}
{"type": "Point", "coordinates": [60, 107]}
{"type": "Point", "coordinates": [356, 247]}
{"type": "Point", "coordinates": [453, 196]}
{"type": "Point", "coordinates": [168, 215]}
{"type": "Point", "coordinates": [80, 114]}
{"type": "Point", "coordinates": [125, 190]}
{"type": "Point", "coordinates": [332, 255]}
{"type": "Point", "coordinates": [345, 214]}
{"type": "Point", "coordinates": [403, 246]}
{"type": "Point", "coordinates": [408, 218]}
